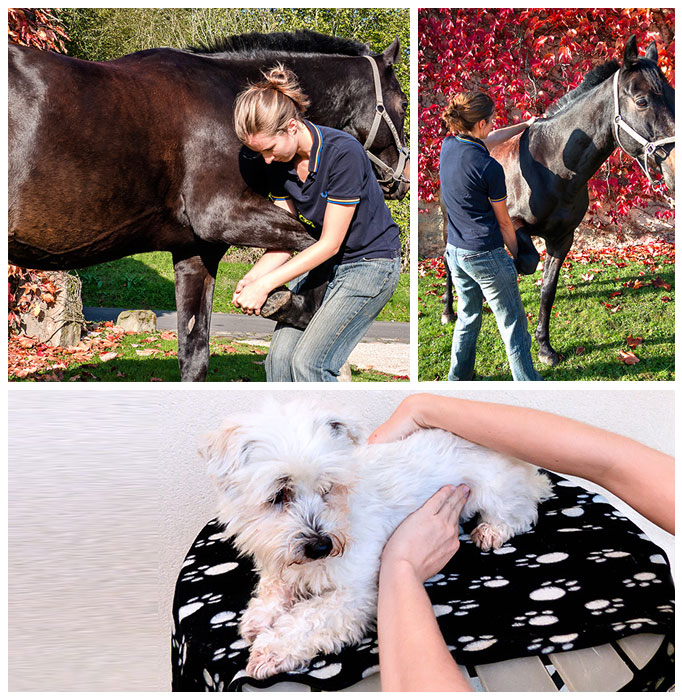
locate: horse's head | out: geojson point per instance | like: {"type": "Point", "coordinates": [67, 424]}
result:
{"type": "Point", "coordinates": [646, 105]}
{"type": "Point", "coordinates": [378, 121]}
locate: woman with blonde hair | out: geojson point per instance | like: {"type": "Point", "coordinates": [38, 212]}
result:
{"type": "Point", "coordinates": [324, 177]}
{"type": "Point", "coordinates": [473, 193]}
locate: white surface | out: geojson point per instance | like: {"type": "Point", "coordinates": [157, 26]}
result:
{"type": "Point", "coordinates": [107, 492]}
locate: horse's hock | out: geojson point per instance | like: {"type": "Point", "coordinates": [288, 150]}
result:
{"type": "Point", "coordinates": [60, 323]}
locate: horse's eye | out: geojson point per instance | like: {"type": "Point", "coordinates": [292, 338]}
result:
{"type": "Point", "coordinates": [641, 102]}
{"type": "Point", "coordinates": [403, 106]}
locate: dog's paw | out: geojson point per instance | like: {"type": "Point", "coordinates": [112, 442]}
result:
{"type": "Point", "coordinates": [253, 622]}
{"type": "Point", "coordinates": [266, 660]}
{"type": "Point", "coordinates": [487, 536]}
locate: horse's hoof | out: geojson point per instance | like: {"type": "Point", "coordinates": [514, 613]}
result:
{"type": "Point", "coordinates": [275, 302]}
{"type": "Point", "coordinates": [549, 358]}
{"type": "Point", "coordinates": [447, 318]}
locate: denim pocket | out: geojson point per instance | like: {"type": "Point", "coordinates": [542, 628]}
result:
{"type": "Point", "coordinates": [481, 265]}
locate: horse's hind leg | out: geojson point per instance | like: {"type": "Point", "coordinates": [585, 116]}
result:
{"type": "Point", "coordinates": [297, 309]}
{"type": "Point", "coordinates": [194, 283]}
{"type": "Point", "coordinates": [556, 254]}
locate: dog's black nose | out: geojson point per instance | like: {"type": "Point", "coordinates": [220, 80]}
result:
{"type": "Point", "coordinates": [318, 548]}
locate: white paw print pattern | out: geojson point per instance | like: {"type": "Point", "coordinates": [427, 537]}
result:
{"type": "Point", "coordinates": [559, 642]}
{"type": "Point", "coordinates": [528, 560]}
{"type": "Point", "coordinates": [226, 618]}
{"type": "Point", "coordinates": [477, 643]}
{"type": "Point", "coordinates": [535, 618]}
{"type": "Point", "coordinates": [321, 669]}
{"type": "Point", "coordinates": [437, 580]}
{"type": "Point", "coordinates": [665, 608]}
{"type": "Point", "coordinates": [603, 555]}
{"type": "Point", "coordinates": [213, 682]}
{"type": "Point", "coordinates": [488, 582]}
{"type": "Point", "coordinates": [617, 515]}
{"type": "Point", "coordinates": [463, 606]}
{"type": "Point", "coordinates": [366, 643]}
{"type": "Point", "coordinates": [604, 605]}
{"type": "Point", "coordinates": [553, 590]}
{"type": "Point", "coordinates": [198, 602]}
{"type": "Point", "coordinates": [205, 570]}
{"type": "Point", "coordinates": [642, 580]}
{"type": "Point", "coordinates": [634, 624]}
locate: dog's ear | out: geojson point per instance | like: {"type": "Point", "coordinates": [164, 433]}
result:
{"type": "Point", "coordinates": [223, 450]}
{"type": "Point", "coordinates": [353, 430]}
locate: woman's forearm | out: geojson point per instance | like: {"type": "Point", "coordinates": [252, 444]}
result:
{"type": "Point", "coordinates": [412, 652]}
{"type": "Point", "coordinates": [639, 475]}
{"type": "Point", "coordinates": [501, 135]}
{"type": "Point", "coordinates": [270, 260]}
{"type": "Point", "coordinates": [301, 263]}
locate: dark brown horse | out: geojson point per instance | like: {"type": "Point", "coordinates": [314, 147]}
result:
{"type": "Point", "coordinates": [547, 167]}
{"type": "Point", "coordinates": [139, 154]}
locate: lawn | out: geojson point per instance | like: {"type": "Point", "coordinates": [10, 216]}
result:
{"type": "Point", "coordinates": [108, 354]}
{"type": "Point", "coordinates": [145, 281]}
{"type": "Point", "coordinates": [613, 307]}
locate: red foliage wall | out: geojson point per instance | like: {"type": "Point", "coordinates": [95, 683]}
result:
{"type": "Point", "coordinates": [525, 60]}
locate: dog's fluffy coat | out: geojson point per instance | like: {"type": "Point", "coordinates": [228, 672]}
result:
{"type": "Point", "coordinates": [302, 493]}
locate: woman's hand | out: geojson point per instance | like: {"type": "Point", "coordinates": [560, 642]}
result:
{"type": "Point", "coordinates": [428, 538]}
{"type": "Point", "coordinates": [251, 296]}
{"type": "Point", "coordinates": [406, 419]}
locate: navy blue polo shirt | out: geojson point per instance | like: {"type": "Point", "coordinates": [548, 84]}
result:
{"type": "Point", "coordinates": [470, 179]}
{"type": "Point", "coordinates": [339, 173]}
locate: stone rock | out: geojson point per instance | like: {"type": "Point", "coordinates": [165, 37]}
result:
{"type": "Point", "coordinates": [60, 323]}
{"type": "Point", "coordinates": [138, 321]}
{"type": "Point", "coordinates": [345, 373]}
{"type": "Point", "coordinates": [430, 243]}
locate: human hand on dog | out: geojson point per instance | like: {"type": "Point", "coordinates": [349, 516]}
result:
{"type": "Point", "coordinates": [406, 419]}
{"type": "Point", "coordinates": [428, 538]}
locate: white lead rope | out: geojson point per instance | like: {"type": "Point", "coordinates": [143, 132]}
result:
{"type": "Point", "coordinates": [649, 146]}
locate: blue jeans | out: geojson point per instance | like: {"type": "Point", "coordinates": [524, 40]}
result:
{"type": "Point", "coordinates": [355, 296]}
{"type": "Point", "coordinates": [490, 274]}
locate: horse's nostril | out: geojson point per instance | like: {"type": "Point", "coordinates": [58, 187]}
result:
{"type": "Point", "coordinates": [317, 549]}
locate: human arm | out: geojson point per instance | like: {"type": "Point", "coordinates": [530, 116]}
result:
{"type": "Point", "coordinates": [506, 226]}
{"type": "Point", "coordinates": [337, 219]}
{"type": "Point", "coordinates": [501, 135]}
{"type": "Point", "coordinates": [639, 475]}
{"type": "Point", "coordinates": [412, 652]}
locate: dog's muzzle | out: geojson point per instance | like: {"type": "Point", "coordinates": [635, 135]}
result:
{"type": "Point", "coordinates": [318, 548]}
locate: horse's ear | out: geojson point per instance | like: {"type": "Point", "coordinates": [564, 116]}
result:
{"type": "Point", "coordinates": [392, 53]}
{"type": "Point", "coordinates": [651, 52]}
{"type": "Point", "coordinates": [631, 53]}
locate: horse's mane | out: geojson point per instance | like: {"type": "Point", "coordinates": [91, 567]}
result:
{"type": "Point", "coordinates": [600, 73]}
{"type": "Point", "coordinates": [301, 41]}
{"type": "Point", "coordinates": [595, 77]}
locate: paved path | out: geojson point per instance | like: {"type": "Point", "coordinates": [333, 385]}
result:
{"type": "Point", "coordinates": [384, 348]}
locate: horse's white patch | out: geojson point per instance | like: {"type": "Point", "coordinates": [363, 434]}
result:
{"type": "Point", "coordinates": [190, 324]}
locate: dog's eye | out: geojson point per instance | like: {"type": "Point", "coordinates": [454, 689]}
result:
{"type": "Point", "coordinates": [325, 491]}
{"type": "Point", "coordinates": [336, 426]}
{"type": "Point", "coordinates": [282, 497]}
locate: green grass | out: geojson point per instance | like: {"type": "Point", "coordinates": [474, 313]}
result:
{"type": "Point", "coordinates": [586, 333]}
{"type": "Point", "coordinates": [230, 362]}
{"type": "Point", "coordinates": [145, 281]}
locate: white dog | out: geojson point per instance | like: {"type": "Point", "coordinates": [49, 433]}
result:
{"type": "Point", "coordinates": [302, 493]}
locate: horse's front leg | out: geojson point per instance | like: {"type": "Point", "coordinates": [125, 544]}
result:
{"type": "Point", "coordinates": [297, 309]}
{"type": "Point", "coordinates": [556, 254]}
{"type": "Point", "coordinates": [195, 273]}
